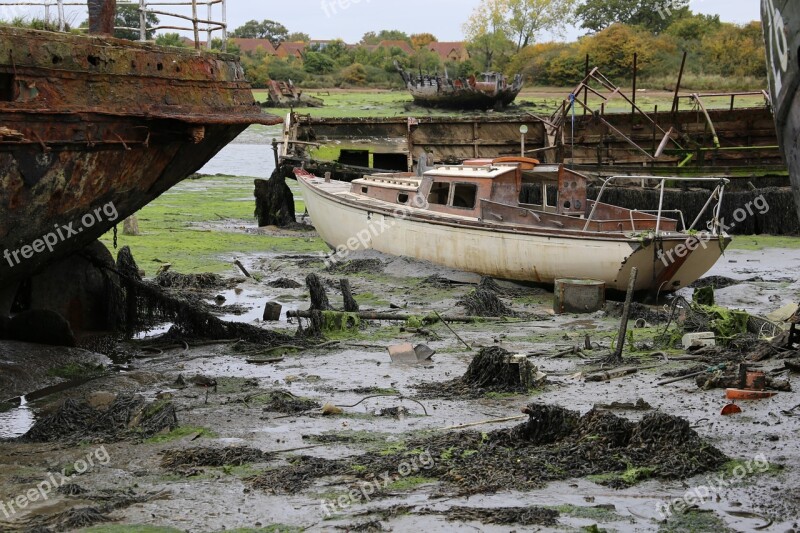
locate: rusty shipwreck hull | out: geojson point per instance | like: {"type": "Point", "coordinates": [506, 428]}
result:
{"type": "Point", "coordinates": [90, 121]}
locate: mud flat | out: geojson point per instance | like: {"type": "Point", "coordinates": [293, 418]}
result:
{"type": "Point", "coordinates": [252, 450]}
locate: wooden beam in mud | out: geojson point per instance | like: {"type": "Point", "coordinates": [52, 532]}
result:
{"type": "Point", "coordinates": [403, 317]}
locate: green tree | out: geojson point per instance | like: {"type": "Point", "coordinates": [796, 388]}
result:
{"type": "Point", "coordinates": [694, 28]}
{"type": "Point", "coordinates": [384, 35]}
{"type": "Point", "coordinates": [654, 15]}
{"type": "Point", "coordinates": [228, 47]}
{"type": "Point", "coordinates": [275, 32]}
{"type": "Point", "coordinates": [298, 37]}
{"type": "Point", "coordinates": [486, 34]}
{"type": "Point", "coordinates": [318, 63]}
{"type": "Point", "coordinates": [171, 39]}
{"type": "Point", "coordinates": [527, 18]}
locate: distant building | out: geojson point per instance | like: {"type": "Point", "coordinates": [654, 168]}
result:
{"type": "Point", "coordinates": [402, 45]}
{"type": "Point", "coordinates": [285, 50]}
{"type": "Point", "coordinates": [251, 45]}
{"type": "Point", "coordinates": [320, 44]}
{"type": "Point", "coordinates": [452, 51]}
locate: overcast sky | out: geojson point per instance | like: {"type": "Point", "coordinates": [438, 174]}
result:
{"type": "Point", "coordinates": [327, 19]}
{"type": "Point", "coordinates": [350, 19]}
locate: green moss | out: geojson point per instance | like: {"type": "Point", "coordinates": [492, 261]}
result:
{"type": "Point", "coordinates": [272, 528]}
{"type": "Point", "coordinates": [408, 483]}
{"type": "Point", "coordinates": [761, 242]}
{"type": "Point", "coordinates": [598, 514]}
{"type": "Point", "coordinates": [175, 228]}
{"type": "Point", "coordinates": [121, 528]}
{"type": "Point", "coordinates": [338, 321]}
{"type": "Point", "coordinates": [180, 433]}
{"type": "Point", "coordinates": [75, 371]}
{"type": "Point", "coordinates": [694, 521]}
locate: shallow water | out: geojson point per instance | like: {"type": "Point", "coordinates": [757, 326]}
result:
{"type": "Point", "coordinates": [249, 155]}
{"type": "Point", "coordinates": [17, 421]}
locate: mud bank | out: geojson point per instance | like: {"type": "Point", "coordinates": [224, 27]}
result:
{"type": "Point", "coordinates": [382, 429]}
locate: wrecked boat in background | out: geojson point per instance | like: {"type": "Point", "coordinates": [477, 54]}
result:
{"type": "Point", "coordinates": [781, 19]}
{"type": "Point", "coordinates": [469, 217]}
{"type": "Point", "coordinates": [95, 128]}
{"type": "Point", "coordinates": [492, 91]}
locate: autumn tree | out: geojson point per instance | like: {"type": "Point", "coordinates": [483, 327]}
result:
{"type": "Point", "coordinates": [654, 15]}
{"type": "Point", "coordinates": [421, 40]}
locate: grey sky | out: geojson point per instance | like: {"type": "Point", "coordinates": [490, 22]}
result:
{"type": "Point", "coordinates": [350, 19]}
{"type": "Point", "coordinates": [327, 19]}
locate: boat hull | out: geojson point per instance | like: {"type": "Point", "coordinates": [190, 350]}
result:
{"type": "Point", "coordinates": [503, 252]}
{"type": "Point", "coordinates": [463, 99]}
{"type": "Point", "coordinates": [94, 128]}
{"type": "Point", "coordinates": [781, 20]}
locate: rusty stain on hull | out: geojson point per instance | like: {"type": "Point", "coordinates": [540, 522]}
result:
{"type": "Point", "coordinates": [94, 120]}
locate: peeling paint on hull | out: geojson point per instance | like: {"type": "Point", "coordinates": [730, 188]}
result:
{"type": "Point", "coordinates": [89, 121]}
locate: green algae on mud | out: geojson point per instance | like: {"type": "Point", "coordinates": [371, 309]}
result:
{"type": "Point", "coordinates": [764, 242]}
{"type": "Point", "coordinates": [198, 226]}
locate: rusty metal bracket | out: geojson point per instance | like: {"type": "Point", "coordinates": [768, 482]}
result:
{"type": "Point", "coordinates": [45, 148]}
{"type": "Point", "coordinates": [124, 144]}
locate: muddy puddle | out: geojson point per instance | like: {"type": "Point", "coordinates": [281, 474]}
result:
{"type": "Point", "coordinates": [354, 372]}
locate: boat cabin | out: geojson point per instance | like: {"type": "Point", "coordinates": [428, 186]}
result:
{"type": "Point", "coordinates": [490, 189]}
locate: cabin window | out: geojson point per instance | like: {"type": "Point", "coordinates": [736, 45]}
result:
{"type": "Point", "coordinates": [364, 190]}
{"type": "Point", "coordinates": [402, 198]}
{"type": "Point", "coordinates": [6, 87]}
{"type": "Point", "coordinates": [465, 195]}
{"type": "Point", "coordinates": [440, 193]}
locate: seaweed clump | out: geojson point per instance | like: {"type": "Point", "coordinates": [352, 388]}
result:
{"type": "Point", "coordinates": [492, 370]}
{"type": "Point", "coordinates": [554, 444]}
{"type": "Point", "coordinates": [127, 417]}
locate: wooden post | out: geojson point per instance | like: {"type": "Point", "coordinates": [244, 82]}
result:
{"type": "Point", "coordinates": [586, 87]}
{"type": "Point", "coordinates": [678, 86]}
{"type": "Point", "coordinates": [635, 74]}
{"type": "Point", "coordinates": [626, 313]}
{"type": "Point", "coordinates": [195, 26]}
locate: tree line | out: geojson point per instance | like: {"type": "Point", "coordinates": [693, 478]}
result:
{"type": "Point", "coordinates": [508, 36]}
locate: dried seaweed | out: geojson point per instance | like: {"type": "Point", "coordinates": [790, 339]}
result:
{"type": "Point", "coordinates": [554, 444]}
{"type": "Point", "coordinates": [284, 283]}
{"type": "Point", "coordinates": [526, 516]}
{"type": "Point", "coordinates": [491, 370]}
{"type": "Point", "coordinates": [357, 266]}
{"type": "Point", "coordinates": [212, 457]}
{"type": "Point", "coordinates": [128, 416]}
{"type": "Point", "coordinates": [175, 280]}
{"type": "Point", "coordinates": [483, 302]}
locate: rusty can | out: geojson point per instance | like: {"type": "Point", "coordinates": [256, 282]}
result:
{"type": "Point", "coordinates": [756, 381]}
